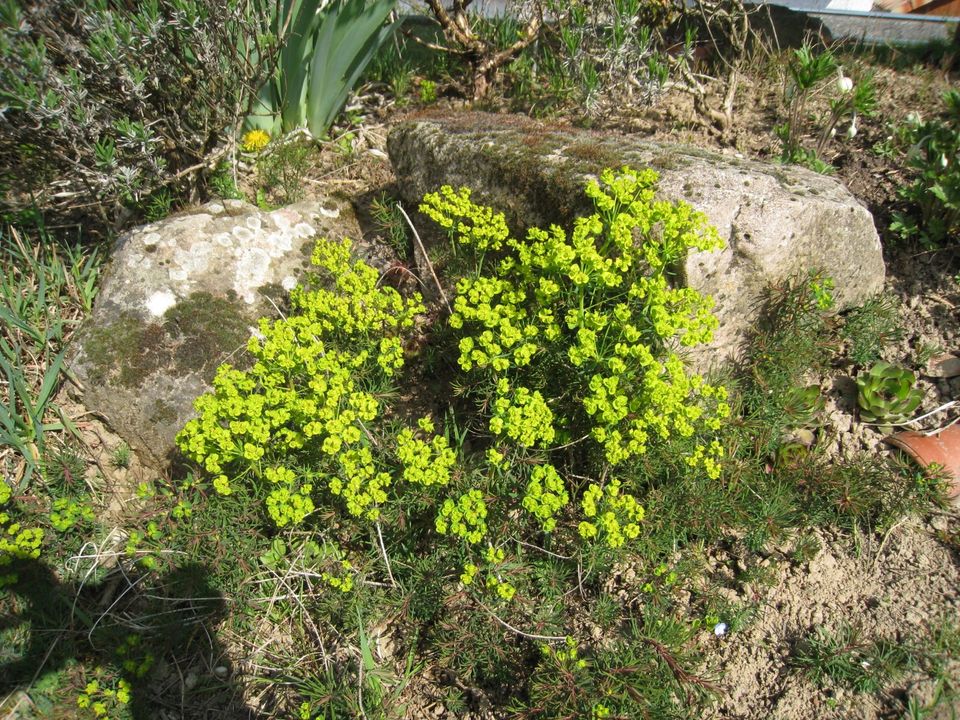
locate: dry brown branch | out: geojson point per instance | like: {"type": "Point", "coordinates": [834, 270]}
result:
{"type": "Point", "coordinates": [483, 57]}
{"type": "Point", "coordinates": [683, 677]}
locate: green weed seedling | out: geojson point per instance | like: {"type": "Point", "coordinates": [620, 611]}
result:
{"type": "Point", "coordinates": [932, 148]}
{"type": "Point", "coordinates": [223, 182]}
{"type": "Point", "coordinates": [121, 456]}
{"type": "Point", "coordinates": [844, 658]}
{"type": "Point", "coordinates": [869, 328]}
{"type": "Point", "coordinates": [391, 223]}
{"type": "Point", "coordinates": [281, 170]}
{"type": "Point", "coordinates": [45, 288]}
{"type": "Point", "coordinates": [428, 91]}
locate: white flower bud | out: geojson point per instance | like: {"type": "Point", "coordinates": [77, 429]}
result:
{"type": "Point", "coordinates": [943, 161]}
{"type": "Point", "coordinates": [833, 132]}
{"type": "Point", "coordinates": [852, 131]}
{"type": "Point", "coordinates": [844, 84]}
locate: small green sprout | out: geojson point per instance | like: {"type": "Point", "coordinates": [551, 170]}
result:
{"type": "Point", "coordinates": [802, 405]}
{"type": "Point", "coordinates": [121, 456]}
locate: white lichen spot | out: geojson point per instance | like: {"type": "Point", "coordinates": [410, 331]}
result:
{"type": "Point", "coordinates": [179, 275]}
{"type": "Point", "coordinates": [279, 243]}
{"type": "Point", "coordinates": [214, 208]}
{"type": "Point", "coordinates": [335, 213]}
{"type": "Point", "coordinates": [255, 332]}
{"type": "Point", "coordinates": [198, 259]}
{"type": "Point", "coordinates": [253, 222]}
{"type": "Point", "coordinates": [303, 230]}
{"type": "Point", "coordinates": [223, 239]}
{"type": "Point", "coordinates": [284, 218]}
{"type": "Point", "coordinates": [151, 239]}
{"type": "Point", "coordinates": [160, 302]}
{"type": "Point", "coordinates": [288, 283]}
{"type": "Point", "coordinates": [253, 266]}
{"type": "Point", "coordinates": [242, 234]}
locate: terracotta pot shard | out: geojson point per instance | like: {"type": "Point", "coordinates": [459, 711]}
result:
{"type": "Point", "coordinates": [946, 365]}
{"type": "Point", "coordinates": [942, 449]}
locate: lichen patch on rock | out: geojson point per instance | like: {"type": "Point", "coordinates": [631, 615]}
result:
{"type": "Point", "coordinates": [181, 298]}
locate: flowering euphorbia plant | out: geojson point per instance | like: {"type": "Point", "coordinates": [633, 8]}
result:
{"type": "Point", "coordinates": [564, 342]}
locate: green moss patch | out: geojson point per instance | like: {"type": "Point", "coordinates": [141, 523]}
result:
{"type": "Point", "coordinates": [195, 335]}
{"type": "Point", "coordinates": [205, 328]}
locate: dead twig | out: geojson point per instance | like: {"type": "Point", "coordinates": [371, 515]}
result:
{"type": "Point", "coordinates": [683, 677]}
{"type": "Point", "coordinates": [426, 258]}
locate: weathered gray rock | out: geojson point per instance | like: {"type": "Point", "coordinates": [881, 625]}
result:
{"type": "Point", "coordinates": [777, 220]}
{"type": "Point", "coordinates": [182, 296]}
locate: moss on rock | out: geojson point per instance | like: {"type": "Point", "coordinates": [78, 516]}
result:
{"type": "Point", "coordinates": [203, 328]}
{"type": "Point", "coordinates": [195, 335]}
{"type": "Point", "coordinates": [124, 352]}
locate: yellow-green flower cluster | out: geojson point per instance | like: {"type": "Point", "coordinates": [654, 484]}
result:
{"type": "Point", "coordinates": [494, 556]}
{"type": "Point", "coordinates": [100, 700]}
{"type": "Point", "coordinates": [466, 517]}
{"type": "Point", "coordinates": [599, 712]}
{"type": "Point", "coordinates": [356, 307]}
{"type": "Point", "coordinates": [708, 457]}
{"type": "Point", "coordinates": [133, 659]}
{"type": "Point", "coordinates": [661, 401]}
{"type": "Point", "coordinates": [613, 516]}
{"type": "Point", "coordinates": [16, 542]}
{"type": "Point", "coordinates": [602, 299]}
{"type": "Point", "coordinates": [625, 200]}
{"type": "Point", "coordinates": [506, 338]}
{"type": "Point", "coordinates": [304, 394]}
{"type": "Point", "coordinates": [343, 580]}
{"type": "Point", "coordinates": [504, 588]}
{"type": "Point", "coordinates": [360, 483]}
{"type": "Point", "coordinates": [467, 223]}
{"type": "Point", "coordinates": [469, 573]}
{"type": "Point", "coordinates": [523, 416]}
{"type": "Point", "coordinates": [425, 463]}
{"type": "Point", "coordinates": [289, 507]}
{"type": "Point", "coordinates": [545, 496]}
{"type": "Point", "coordinates": [567, 657]}
{"type": "Point", "coordinates": [67, 512]}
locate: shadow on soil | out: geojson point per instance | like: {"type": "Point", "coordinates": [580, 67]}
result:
{"type": "Point", "coordinates": [153, 630]}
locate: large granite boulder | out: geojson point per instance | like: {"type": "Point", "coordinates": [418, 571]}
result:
{"type": "Point", "coordinates": [182, 296]}
{"type": "Point", "coordinates": [777, 220]}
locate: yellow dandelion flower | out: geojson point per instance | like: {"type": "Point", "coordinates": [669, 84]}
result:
{"type": "Point", "coordinates": [255, 141]}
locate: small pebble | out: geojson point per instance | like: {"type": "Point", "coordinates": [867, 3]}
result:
{"type": "Point", "coordinates": [939, 523]}
{"type": "Point", "coordinates": [190, 682]}
{"type": "Point", "coordinates": [221, 671]}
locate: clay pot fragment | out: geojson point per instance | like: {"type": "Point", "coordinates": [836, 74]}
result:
{"type": "Point", "coordinates": [946, 365]}
{"type": "Point", "coordinates": [942, 449]}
